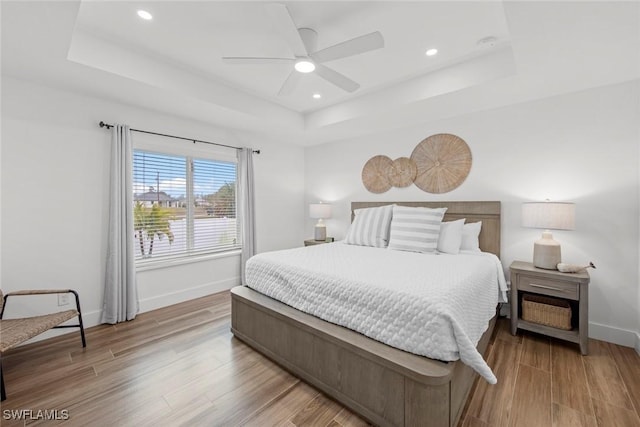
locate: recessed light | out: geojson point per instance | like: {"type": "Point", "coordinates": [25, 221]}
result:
{"type": "Point", "coordinates": [431, 52]}
{"type": "Point", "coordinates": [317, 96]}
{"type": "Point", "coordinates": [305, 66]}
{"type": "Point", "coordinates": [145, 15]}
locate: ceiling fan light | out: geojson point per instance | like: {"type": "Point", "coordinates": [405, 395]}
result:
{"type": "Point", "coordinates": [305, 66]}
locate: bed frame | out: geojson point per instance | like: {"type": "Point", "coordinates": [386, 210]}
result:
{"type": "Point", "coordinates": [387, 386]}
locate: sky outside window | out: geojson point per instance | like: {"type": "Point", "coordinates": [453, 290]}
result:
{"type": "Point", "coordinates": [167, 173]}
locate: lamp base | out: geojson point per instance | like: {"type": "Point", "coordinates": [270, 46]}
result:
{"type": "Point", "coordinates": [320, 232]}
{"type": "Point", "coordinates": [546, 252]}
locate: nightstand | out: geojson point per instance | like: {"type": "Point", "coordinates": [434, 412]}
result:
{"type": "Point", "coordinates": [571, 287]}
{"type": "Point", "coordinates": [312, 242]}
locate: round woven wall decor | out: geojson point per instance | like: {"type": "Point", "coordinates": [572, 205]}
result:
{"type": "Point", "coordinates": [443, 163]}
{"type": "Point", "coordinates": [402, 172]}
{"type": "Point", "coordinates": [374, 174]}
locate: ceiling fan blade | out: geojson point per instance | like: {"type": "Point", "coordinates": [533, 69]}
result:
{"type": "Point", "coordinates": [290, 84]}
{"type": "Point", "coordinates": [334, 77]}
{"type": "Point", "coordinates": [351, 47]}
{"type": "Point", "coordinates": [283, 21]}
{"type": "Point", "coordinates": [309, 38]}
{"type": "Point", "coordinates": [251, 60]}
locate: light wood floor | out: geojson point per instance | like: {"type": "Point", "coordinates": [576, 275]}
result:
{"type": "Point", "coordinates": [181, 366]}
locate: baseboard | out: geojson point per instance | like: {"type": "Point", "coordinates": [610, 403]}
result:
{"type": "Point", "coordinates": [613, 335]}
{"type": "Point", "coordinates": [94, 318]}
{"type": "Point", "coordinates": [183, 295]}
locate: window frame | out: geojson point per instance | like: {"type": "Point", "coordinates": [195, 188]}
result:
{"type": "Point", "coordinates": [189, 154]}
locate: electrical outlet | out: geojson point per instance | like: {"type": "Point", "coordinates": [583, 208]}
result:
{"type": "Point", "coordinates": [63, 299]}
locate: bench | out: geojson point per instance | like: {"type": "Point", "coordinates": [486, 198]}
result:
{"type": "Point", "coordinates": [14, 332]}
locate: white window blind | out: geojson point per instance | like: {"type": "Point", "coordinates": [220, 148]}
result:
{"type": "Point", "coordinates": [183, 206]}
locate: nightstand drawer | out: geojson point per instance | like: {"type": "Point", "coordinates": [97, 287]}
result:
{"type": "Point", "coordinates": [549, 287]}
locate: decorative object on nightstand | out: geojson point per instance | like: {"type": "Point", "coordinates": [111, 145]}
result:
{"type": "Point", "coordinates": [320, 211]}
{"type": "Point", "coordinates": [556, 304]}
{"type": "Point", "coordinates": [548, 215]}
{"type": "Point", "coordinates": [573, 268]}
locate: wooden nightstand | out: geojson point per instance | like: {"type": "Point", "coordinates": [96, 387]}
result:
{"type": "Point", "coordinates": [312, 242]}
{"type": "Point", "coordinates": [572, 287]}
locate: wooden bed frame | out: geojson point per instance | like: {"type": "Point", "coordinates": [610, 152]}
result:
{"type": "Point", "coordinates": [387, 386]}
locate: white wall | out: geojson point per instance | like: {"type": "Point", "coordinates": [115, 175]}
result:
{"type": "Point", "coordinates": [580, 147]}
{"type": "Point", "coordinates": [637, 120]}
{"type": "Point", "coordinates": [55, 166]}
{"type": "Point", "coordinates": [0, 159]}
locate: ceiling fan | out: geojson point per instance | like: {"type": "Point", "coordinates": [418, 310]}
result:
{"type": "Point", "coordinates": [307, 58]}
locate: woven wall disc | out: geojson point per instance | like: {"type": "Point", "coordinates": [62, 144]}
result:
{"type": "Point", "coordinates": [374, 174]}
{"type": "Point", "coordinates": [443, 163]}
{"type": "Point", "coordinates": [402, 172]}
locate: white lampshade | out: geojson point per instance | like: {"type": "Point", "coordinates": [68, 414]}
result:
{"type": "Point", "coordinates": [320, 210]}
{"type": "Point", "coordinates": [548, 215]}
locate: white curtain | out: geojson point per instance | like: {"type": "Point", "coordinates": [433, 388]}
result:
{"type": "Point", "coordinates": [120, 291]}
{"type": "Point", "coordinates": [246, 200]}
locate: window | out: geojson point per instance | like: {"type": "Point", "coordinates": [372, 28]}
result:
{"type": "Point", "coordinates": [183, 205]}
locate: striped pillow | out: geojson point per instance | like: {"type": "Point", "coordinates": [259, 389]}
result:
{"type": "Point", "coordinates": [370, 227]}
{"type": "Point", "coordinates": [415, 229]}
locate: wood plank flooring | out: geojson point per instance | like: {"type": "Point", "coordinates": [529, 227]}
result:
{"type": "Point", "coordinates": [180, 365]}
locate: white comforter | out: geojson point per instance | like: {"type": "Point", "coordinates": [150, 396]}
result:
{"type": "Point", "coordinates": [431, 305]}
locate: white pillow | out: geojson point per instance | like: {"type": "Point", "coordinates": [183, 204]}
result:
{"type": "Point", "coordinates": [450, 237]}
{"type": "Point", "coordinates": [470, 233]}
{"type": "Point", "coordinates": [370, 227]}
{"type": "Point", "coordinates": [415, 229]}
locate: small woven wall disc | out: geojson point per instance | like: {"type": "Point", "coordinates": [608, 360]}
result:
{"type": "Point", "coordinates": [443, 163]}
{"type": "Point", "coordinates": [402, 172]}
{"type": "Point", "coordinates": [374, 174]}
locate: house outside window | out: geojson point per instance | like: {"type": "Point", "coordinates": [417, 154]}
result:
{"type": "Point", "coordinates": [184, 206]}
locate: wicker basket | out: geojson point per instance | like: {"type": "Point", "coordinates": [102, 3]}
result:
{"type": "Point", "coordinates": [546, 311]}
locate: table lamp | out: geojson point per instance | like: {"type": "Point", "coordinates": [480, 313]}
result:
{"type": "Point", "coordinates": [548, 215]}
{"type": "Point", "coordinates": [320, 211]}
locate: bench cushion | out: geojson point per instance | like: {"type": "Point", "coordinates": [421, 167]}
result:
{"type": "Point", "coordinates": [16, 331]}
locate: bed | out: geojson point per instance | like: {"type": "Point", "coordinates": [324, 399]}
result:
{"type": "Point", "coordinates": [385, 385]}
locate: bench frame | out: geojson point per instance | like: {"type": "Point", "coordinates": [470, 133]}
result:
{"type": "Point", "coordinates": [80, 325]}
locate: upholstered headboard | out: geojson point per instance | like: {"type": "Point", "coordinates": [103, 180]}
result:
{"type": "Point", "coordinates": [487, 212]}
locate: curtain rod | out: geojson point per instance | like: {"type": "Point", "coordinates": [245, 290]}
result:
{"type": "Point", "coordinates": [108, 126]}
